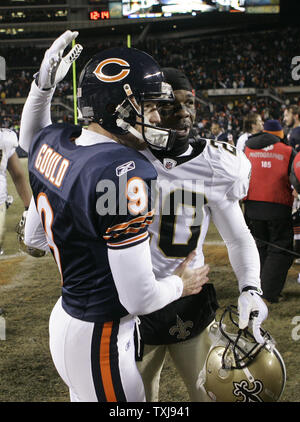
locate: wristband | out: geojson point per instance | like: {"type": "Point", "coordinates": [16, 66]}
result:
{"type": "Point", "coordinates": [256, 289]}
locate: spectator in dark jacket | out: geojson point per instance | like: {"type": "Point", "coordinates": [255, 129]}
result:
{"type": "Point", "coordinates": [268, 206]}
{"type": "Point", "coordinates": [294, 138]}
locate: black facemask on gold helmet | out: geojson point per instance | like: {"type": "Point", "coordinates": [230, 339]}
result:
{"type": "Point", "coordinates": [237, 368]}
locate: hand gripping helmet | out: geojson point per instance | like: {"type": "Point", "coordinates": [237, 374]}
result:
{"type": "Point", "coordinates": [238, 369]}
{"type": "Point", "coordinates": [113, 88]}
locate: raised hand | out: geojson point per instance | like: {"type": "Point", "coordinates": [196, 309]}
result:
{"type": "Point", "coordinates": [54, 67]}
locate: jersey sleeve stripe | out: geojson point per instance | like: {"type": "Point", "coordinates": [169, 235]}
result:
{"type": "Point", "coordinates": [123, 226]}
{"type": "Point", "coordinates": [130, 241]}
{"type": "Point", "coordinates": [129, 230]}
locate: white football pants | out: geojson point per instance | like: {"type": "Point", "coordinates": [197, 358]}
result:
{"type": "Point", "coordinates": [95, 360]}
{"type": "Point", "coordinates": [189, 358]}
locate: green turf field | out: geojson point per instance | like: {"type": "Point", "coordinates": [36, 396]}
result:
{"type": "Point", "coordinates": [29, 287]}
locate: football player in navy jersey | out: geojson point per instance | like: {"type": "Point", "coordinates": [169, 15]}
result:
{"type": "Point", "coordinates": [91, 208]}
{"type": "Point", "coordinates": [183, 327]}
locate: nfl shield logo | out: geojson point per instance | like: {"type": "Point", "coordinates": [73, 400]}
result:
{"type": "Point", "coordinates": [169, 163]}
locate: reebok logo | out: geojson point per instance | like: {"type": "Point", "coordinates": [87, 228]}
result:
{"type": "Point", "coordinates": [125, 168]}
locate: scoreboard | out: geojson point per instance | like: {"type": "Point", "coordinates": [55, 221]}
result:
{"type": "Point", "coordinates": [138, 9]}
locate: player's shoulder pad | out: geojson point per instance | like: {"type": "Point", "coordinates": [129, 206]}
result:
{"type": "Point", "coordinates": [226, 159]}
{"type": "Point", "coordinates": [56, 132]}
{"type": "Point", "coordinates": [65, 129]}
{"type": "Point", "coordinates": [231, 165]}
{"type": "Point", "coordinates": [127, 162]}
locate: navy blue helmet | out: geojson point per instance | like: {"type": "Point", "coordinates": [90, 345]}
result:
{"type": "Point", "coordinates": [113, 88]}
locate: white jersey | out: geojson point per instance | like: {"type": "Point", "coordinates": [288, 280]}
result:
{"type": "Point", "coordinates": [8, 145]}
{"type": "Point", "coordinates": [194, 187]}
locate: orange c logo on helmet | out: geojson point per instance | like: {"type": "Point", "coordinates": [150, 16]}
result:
{"type": "Point", "coordinates": [114, 78]}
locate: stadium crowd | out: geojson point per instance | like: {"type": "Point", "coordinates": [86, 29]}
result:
{"type": "Point", "coordinates": [257, 60]}
{"type": "Point", "coordinates": [250, 64]}
{"type": "Point", "coordinates": [247, 59]}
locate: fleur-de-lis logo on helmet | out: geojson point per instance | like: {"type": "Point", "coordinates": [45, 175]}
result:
{"type": "Point", "coordinates": [242, 390]}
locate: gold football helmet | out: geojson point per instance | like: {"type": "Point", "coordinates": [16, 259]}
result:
{"type": "Point", "coordinates": [238, 369]}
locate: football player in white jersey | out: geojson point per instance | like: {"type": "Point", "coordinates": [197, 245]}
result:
{"type": "Point", "coordinates": [198, 180]}
{"type": "Point", "coordinates": [9, 160]}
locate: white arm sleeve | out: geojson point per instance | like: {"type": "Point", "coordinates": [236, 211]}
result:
{"type": "Point", "coordinates": [34, 235]}
{"type": "Point", "coordinates": [139, 292]}
{"type": "Point", "coordinates": [35, 115]}
{"type": "Point", "coordinates": [241, 246]}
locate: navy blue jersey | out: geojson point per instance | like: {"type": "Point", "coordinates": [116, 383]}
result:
{"type": "Point", "coordinates": [90, 198]}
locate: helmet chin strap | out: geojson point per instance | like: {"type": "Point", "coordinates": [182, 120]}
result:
{"type": "Point", "coordinates": [128, 128]}
{"type": "Point", "coordinates": [156, 137]}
